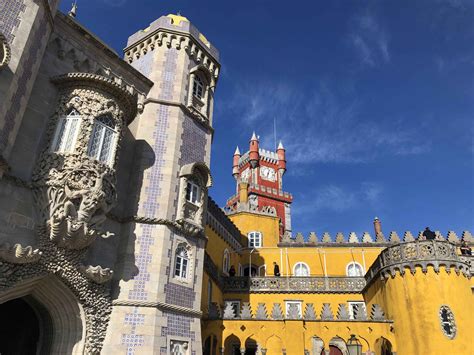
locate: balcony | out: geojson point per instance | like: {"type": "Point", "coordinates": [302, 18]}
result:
{"type": "Point", "coordinates": [293, 284]}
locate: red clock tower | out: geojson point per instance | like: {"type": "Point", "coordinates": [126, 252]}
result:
{"type": "Point", "coordinates": [259, 179]}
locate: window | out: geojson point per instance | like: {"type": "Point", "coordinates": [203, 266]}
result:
{"type": "Point", "coordinates": [354, 307]}
{"type": "Point", "coordinates": [354, 269]}
{"type": "Point", "coordinates": [301, 269]}
{"type": "Point", "coordinates": [235, 306]}
{"type": "Point", "coordinates": [293, 309]}
{"type": "Point", "coordinates": [198, 87]}
{"type": "Point", "coordinates": [255, 239]}
{"type": "Point", "coordinates": [102, 142]}
{"type": "Point", "coordinates": [193, 192]}
{"type": "Point", "coordinates": [448, 325]}
{"type": "Point", "coordinates": [66, 132]}
{"type": "Point", "coordinates": [226, 262]}
{"type": "Point", "coordinates": [181, 263]}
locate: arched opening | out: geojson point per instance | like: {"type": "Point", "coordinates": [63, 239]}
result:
{"type": "Point", "coordinates": [333, 350]}
{"type": "Point", "coordinates": [250, 270]}
{"type": "Point", "coordinates": [383, 346]}
{"type": "Point", "coordinates": [206, 350]}
{"type": "Point", "coordinates": [20, 330]}
{"type": "Point", "coordinates": [250, 347]}
{"type": "Point", "coordinates": [232, 345]}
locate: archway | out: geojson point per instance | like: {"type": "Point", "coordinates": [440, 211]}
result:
{"type": "Point", "coordinates": [333, 350]}
{"type": "Point", "coordinates": [383, 346]}
{"type": "Point", "coordinates": [206, 350]}
{"type": "Point", "coordinates": [251, 347]}
{"type": "Point", "coordinates": [20, 329]}
{"type": "Point", "coordinates": [232, 345]}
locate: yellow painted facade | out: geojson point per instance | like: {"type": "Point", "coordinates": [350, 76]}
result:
{"type": "Point", "coordinates": [410, 302]}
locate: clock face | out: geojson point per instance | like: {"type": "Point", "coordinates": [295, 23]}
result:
{"type": "Point", "coordinates": [267, 173]}
{"type": "Point", "coordinates": [245, 174]}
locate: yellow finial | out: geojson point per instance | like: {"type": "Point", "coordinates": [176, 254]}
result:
{"type": "Point", "coordinates": [176, 19]}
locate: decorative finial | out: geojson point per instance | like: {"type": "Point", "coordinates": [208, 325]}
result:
{"type": "Point", "coordinates": [179, 13]}
{"type": "Point", "coordinates": [73, 10]}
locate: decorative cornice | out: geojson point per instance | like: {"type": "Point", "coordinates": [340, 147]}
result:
{"type": "Point", "coordinates": [397, 258]}
{"type": "Point", "coordinates": [127, 100]}
{"type": "Point", "coordinates": [160, 305]}
{"type": "Point", "coordinates": [5, 51]}
{"type": "Point", "coordinates": [218, 221]}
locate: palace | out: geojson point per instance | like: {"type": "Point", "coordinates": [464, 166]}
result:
{"type": "Point", "coordinates": [110, 242]}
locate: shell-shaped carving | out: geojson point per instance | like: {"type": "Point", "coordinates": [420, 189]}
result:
{"type": "Point", "coordinates": [97, 273]}
{"type": "Point", "coordinates": [17, 254]}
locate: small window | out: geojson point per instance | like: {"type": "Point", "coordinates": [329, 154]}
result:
{"type": "Point", "coordinates": [103, 138]}
{"type": "Point", "coordinates": [301, 269]}
{"type": "Point", "coordinates": [66, 132]}
{"type": "Point", "coordinates": [354, 307]}
{"type": "Point", "coordinates": [448, 325]}
{"type": "Point", "coordinates": [193, 192]}
{"type": "Point", "coordinates": [354, 269]}
{"type": "Point", "coordinates": [293, 309]}
{"type": "Point", "coordinates": [235, 306]}
{"type": "Point", "coordinates": [198, 87]}
{"type": "Point", "coordinates": [182, 263]}
{"type": "Point", "coordinates": [226, 262]}
{"type": "Point", "coordinates": [255, 239]}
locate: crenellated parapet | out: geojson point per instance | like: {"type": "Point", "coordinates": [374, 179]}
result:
{"type": "Point", "coordinates": [399, 258]}
{"type": "Point", "coordinates": [274, 312]}
{"type": "Point", "coordinates": [366, 239]}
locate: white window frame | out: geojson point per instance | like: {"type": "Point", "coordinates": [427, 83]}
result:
{"type": "Point", "coordinates": [198, 87]}
{"type": "Point", "coordinates": [226, 262]}
{"type": "Point", "coordinates": [352, 305]}
{"type": "Point", "coordinates": [300, 263]}
{"type": "Point", "coordinates": [183, 271]}
{"type": "Point", "coordinates": [235, 305]}
{"type": "Point", "coordinates": [194, 191]}
{"type": "Point", "coordinates": [252, 239]}
{"type": "Point", "coordinates": [355, 264]}
{"type": "Point", "coordinates": [298, 303]}
{"type": "Point", "coordinates": [66, 127]}
{"type": "Point", "coordinates": [96, 125]}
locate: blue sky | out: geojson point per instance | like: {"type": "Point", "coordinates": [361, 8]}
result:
{"type": "Point", "coordinates": [374, 101]}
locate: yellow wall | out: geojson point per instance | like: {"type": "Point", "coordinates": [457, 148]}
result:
{"type": "Point", "coordinates": [414, 301]}
{"type": "Point", "coordinates": [267, 225]}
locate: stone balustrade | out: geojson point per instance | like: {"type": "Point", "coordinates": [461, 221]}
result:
{"type": "Point", "coordinates": [420, 253]}
{"type": "Point", "coordinates": [276, 311]}
{"type": "Point", "coordinates": [293, 284]}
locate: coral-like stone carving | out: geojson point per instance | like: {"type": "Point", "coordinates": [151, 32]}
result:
{"type": "Point", "coordinates": [339, 238]}
{"type": "Point", "coordinates": [360, 313]}
{"type": "Point", "coordinates": [5, 52]}
{"type": "Point", "coordinates": [342, 312]}
{"type": "Point", "coordinates": [293, 311]}
{"type": "Point", "coordinates": [97, 273]}
{"type": "Point", "coordinates": [408, 237]}
{"type": "Point", "coordinates": [277, 313]}
{"type": "Point", "coordinates": [452, 237]}
{"type": "Point", "coordinates": [393, 237]}
{"type": "Point", "coordinates": [310, 312]}
{"type": "Point", "coordinates": [377, 313]}
{"type": "Point", "coordinates": [366, 238]}
{"type": "Point", "coordinates": [246, 312]}
{"type": "Point", "coordinates": [17, 254]}
{"type": "Point", "coordinates": [299, 238]}
{"type": "Point", "coordinates": [326, 312]}
{"type": "Point", "coordinates": [353, 238]}
{"type": "Point", "coordinates": [326, 238]}
{"type": "Point", "coordinates": [261, 312]}
{"type": "Point", "coordinates": [313, 238]}
{"type": "Point", "coordinates": [467, 237]}
{"type": "Point", "coordinates": [229, 312]}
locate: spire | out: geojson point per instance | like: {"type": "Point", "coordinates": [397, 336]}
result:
{"type": "Point", "coordinates": [281, 158]}
{"type": "Point", "coordinates": [280, 146]}
{"type": "Point", "coordinates": [237, 151]}
{"type": "Point", "coordinates": [235, 163]}
{"type": "Point", "coordinates": [73, 10]}
{"type": "Point", "coordinates": [254, 137]}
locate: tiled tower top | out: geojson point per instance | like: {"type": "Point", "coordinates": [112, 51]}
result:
{"type": "Point", "coordinates": [173, 23]}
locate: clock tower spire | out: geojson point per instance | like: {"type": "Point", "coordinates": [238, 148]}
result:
{"type": "Point", "coordinates": [261, 172]}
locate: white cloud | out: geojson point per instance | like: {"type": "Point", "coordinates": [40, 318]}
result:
{"type": "Point", "coordinates": [370, 40]}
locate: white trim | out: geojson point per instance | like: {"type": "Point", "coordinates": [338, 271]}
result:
{"type": "Point", "coordinates": [225, 269]}
{"type": "Point", "coordinates": [264, 267]}
{"type": "Point", "coordinates": [301, 263]}
{"type": "Point", "coordinates": [260, 239]}
{"type": "Point", "coordinates": [351, 309]}
{"type": "Point", "coordinates": [356, 264]}
{"type": "Point", "coordinates": [300, 307]}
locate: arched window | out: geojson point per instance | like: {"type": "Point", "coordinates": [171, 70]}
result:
{"type": "Point", "coordinates": [448, 325]}
{"type": "Point", "coordinates": [181, 264]}
{"type": "Point", "coordinates": [262, 270]}
{"type": "Point", "coordinates": [301, 269]}
{"type": "Point", "coordinates": [198, 87]}
{"type": "Point", "coordinates": [66, 132]}
{"type": "Point", "coordinates": [255, 240]}
{"type": "Point", "coordinates": [103, 139]}
{"type": "Point", "coordinates": [226, 261]}
{"type": "Point", "coordinates": [354, 269]}
{"type": "Point", "coordinates": [193, 192]}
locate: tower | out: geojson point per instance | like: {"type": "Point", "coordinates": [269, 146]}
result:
{"type": "Point", "coordinates": [169, 180]}
{"type": "Point", "coordinates": [259, 179]}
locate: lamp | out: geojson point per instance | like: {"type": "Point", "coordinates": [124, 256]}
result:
{"type": "Point", "coordinates": [354, 346]}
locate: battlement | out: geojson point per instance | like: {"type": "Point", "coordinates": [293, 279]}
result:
{"type": "Point", "coordinates": [367, 240]}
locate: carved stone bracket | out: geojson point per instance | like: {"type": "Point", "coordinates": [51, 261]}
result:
{"type": "Point", "coordinates": [17, 254]}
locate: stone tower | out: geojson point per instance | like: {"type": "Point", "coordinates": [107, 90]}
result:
{"type": "Point", "coordinates": [259, 178]}
{"type": "Point", "coordinates": [160, 302]}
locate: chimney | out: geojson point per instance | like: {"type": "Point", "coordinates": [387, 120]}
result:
{"type": "Point", "coordinates": [377, 226]}
{"type": "Point", "coordinates": [235, 163]}
{"type": "Point", "coordinates": [254, 155]}
{"type": "Point", "coordinates": [281, 158]}
{"type": "Point", "coordinates": [243, 192]}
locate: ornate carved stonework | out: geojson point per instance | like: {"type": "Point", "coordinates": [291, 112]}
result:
{"type": "Point", "coordinates": [5, 52]}
{"type": "Point", "coordinates": [17, 254]}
